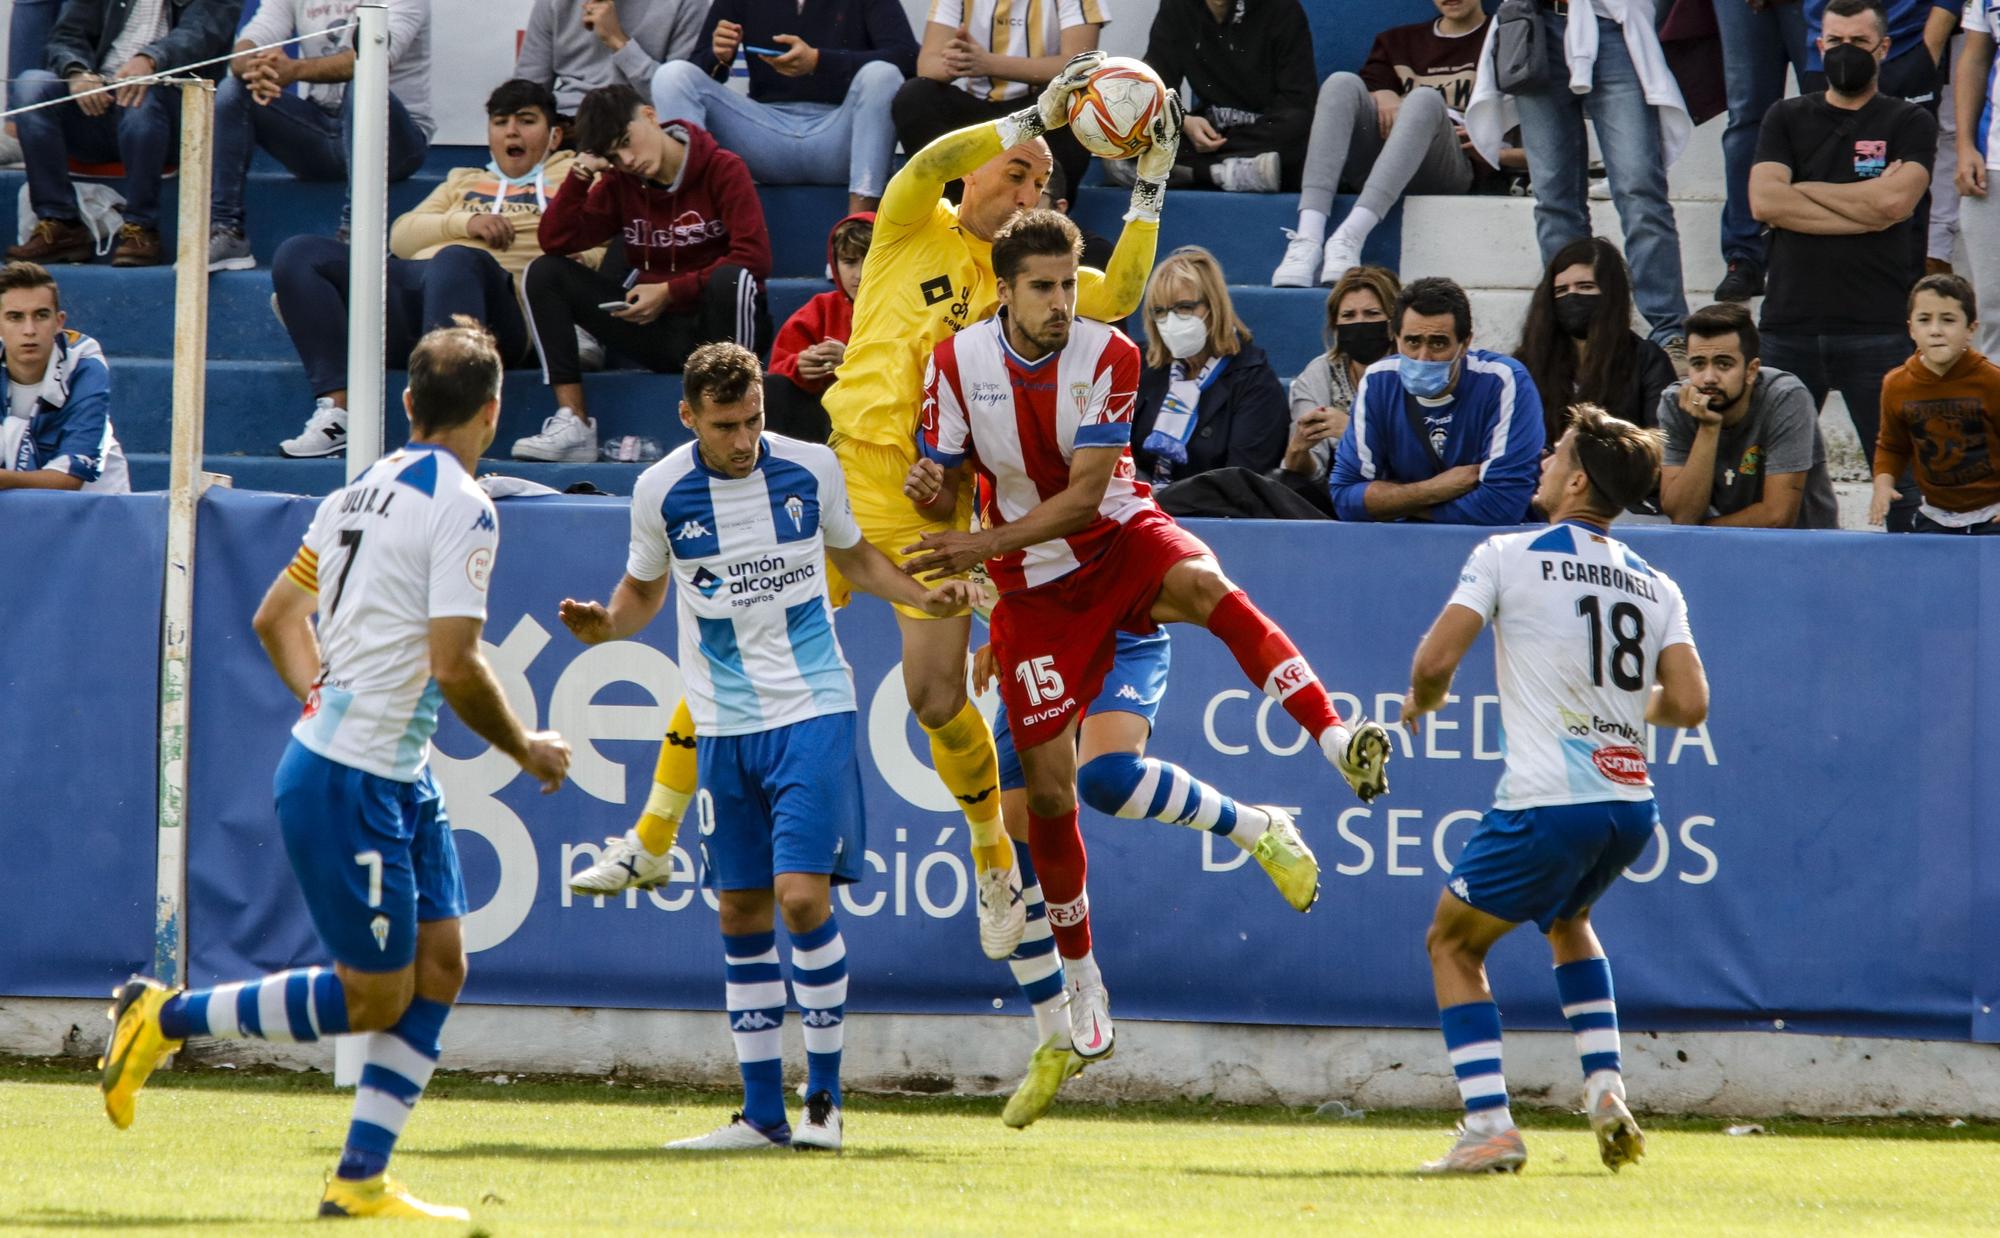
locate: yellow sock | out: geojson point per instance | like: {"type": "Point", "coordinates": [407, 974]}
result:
{"type": "Point", "coordinates": [962, 750]}
{"type": "Point", "coordinates": [673, 785]}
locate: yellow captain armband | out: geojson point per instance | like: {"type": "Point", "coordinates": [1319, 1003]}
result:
{"type": "Point", "coordinates": [304, 570]}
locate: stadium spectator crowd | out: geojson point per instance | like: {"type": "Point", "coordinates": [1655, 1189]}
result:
{"type": "Point", "coordinates": [619, 216]}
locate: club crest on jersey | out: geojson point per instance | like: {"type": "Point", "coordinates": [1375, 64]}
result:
{"type": "Point", "coordinates": [379, 926]}
{"type": "Point", "coordinates": [795, 507]}
{"type": "Point", "coordinates": [706, 581]}
{"type": "Point", "coordinates": [690, 529]}
{"type": "Point", "coordinates": [1080, 392]}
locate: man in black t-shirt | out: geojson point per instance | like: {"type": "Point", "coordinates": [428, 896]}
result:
{"type": "Point", "coordinates": [1843, 179]}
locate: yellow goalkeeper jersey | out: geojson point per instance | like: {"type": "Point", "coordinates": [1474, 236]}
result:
{"type": "Point", "coordinates": [927, 277]}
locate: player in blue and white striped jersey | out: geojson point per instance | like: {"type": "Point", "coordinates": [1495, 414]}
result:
{"type": "Point", "coordinates": [745, 524]}
{"type": "Point", "coordinates": [1591, 644]}
{"type": "Point", "coordinates": [396, 566]}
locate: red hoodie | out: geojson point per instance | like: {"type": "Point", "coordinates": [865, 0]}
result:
{"type": "Point", "coordinates": [828, 316]}
{"type": "Point", "coordinates": [673, 236]}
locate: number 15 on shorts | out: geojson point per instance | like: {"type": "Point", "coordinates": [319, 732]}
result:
{"type": "Point", "coordinates": [1041, 679]}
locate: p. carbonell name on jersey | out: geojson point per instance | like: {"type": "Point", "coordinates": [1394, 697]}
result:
{"type": "Point", "coordinates": [1600, 574]}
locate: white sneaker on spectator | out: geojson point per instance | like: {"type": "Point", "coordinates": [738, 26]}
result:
{"type": "Point", "coordinates": [565, 439]}
{"type": "Point", "coordinates": [1341, 254]}
{"type": "Point", "coordinates": [589, 352]}
{"type": "Point", "coordinates": [229, 250]}
{"type": "Point", "coordinates": [325, 433]}
{"type": "Point", "coordinates": [1301, 264]}
{"type": "Point", "coordinates": [1248, 173]}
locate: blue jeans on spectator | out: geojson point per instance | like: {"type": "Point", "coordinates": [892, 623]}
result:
{"type": "Point", "coordinates": [1628, 135]}
{"type": "Point", "coordinates": [309, 275]}
{"type": "Point", "coordinates": [311, 143]}
{"type": "Point", "coordinates": [793, 143]}
{"type": "Point", "coordinates": [28, 27]}
{"type": "Point", "coordinates": [139, 137]}
{"type": "Point", "coordinates": [1855, 366]}
{"type": "Point", "coordinates": [1757, 47]}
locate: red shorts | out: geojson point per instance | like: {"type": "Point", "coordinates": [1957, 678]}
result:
{"type": "Point", "coordinates": [1054, 643]}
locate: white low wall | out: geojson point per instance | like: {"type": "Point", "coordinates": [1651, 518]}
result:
{"type": "Point", "coordinates": [1736, 1074]}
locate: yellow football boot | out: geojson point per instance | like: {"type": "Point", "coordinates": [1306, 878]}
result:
{"type": "Point", "coordinates": [382, 1196]}
{"type": "Point", "coordinates": [1053, 1065]}
{"type": "Point", "coordinates": [135, 1048]}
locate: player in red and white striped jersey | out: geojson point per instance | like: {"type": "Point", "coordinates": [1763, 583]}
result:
{"type": "Point", "coordinates": [1040, 407]}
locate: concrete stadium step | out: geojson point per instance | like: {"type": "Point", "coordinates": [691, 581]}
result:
{"type": "Point", "coordinates": [255, 404]}
{"type": "Point", "coordinates": [314, 477]}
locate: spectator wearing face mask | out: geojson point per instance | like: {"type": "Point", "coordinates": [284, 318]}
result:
{"type": "Point", "coordinates": [1449, 433]}
{"type": "Point", "coordinates": [1941, 416]}
{"type": "Point", "coordinates": [1357, 336]}
{"type": "Point", "coordinates": [1208, 398]}
{"type": "Point", "coordinates": [1579, 345]}
{"type": "Point", "coordinates": [1843, 179]}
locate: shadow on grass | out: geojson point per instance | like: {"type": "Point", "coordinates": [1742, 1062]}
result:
{"type": "Point", "coordinates": [1391, 1175]}
{"type": "Point", "coordinates": [647, 1152]}
{"type": "Point", "coordinates": [78, 1218]}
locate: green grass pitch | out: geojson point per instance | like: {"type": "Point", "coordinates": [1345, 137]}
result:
{"type": "Point", "coordinates": [228, 1153]}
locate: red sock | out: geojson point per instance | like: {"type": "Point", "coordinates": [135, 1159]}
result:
{"type": "Point", "coordinates": [1055, 844]}
{"type": "Point", "coordinates": [1273, 663]}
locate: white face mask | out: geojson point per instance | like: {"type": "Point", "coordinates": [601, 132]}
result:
{"type": "Point", "coordinates": [1183, 334]}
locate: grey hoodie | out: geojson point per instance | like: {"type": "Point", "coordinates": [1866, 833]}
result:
{"type": "Point", "coordinates": [557, 51]}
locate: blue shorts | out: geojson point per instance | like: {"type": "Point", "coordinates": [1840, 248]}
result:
{"type": "Point", "coordinates": [1549, 864]}
{"type": "Point", "coordinates": [373, 857]}
{"type": "Point", "coordinates": [780, 801]}
{"type": "Point", "coordinates": [1137, 681]}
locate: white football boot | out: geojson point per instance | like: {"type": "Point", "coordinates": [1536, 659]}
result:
{"type": "Point", "coordinates": [626, 865]}
{"type": "Point", "coordinates": [737, 1135]}
{"type": "Point", "coordinates": [821, 1129]}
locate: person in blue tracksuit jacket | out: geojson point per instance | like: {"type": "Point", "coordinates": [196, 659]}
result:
{"type": "Point", "coordinates": [1442, 431]}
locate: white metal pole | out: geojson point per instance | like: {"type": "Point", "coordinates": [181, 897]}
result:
{"type": "Point", "coordinates": [368, 233]}
{"type": "Point", "coordinates": [183, 496]}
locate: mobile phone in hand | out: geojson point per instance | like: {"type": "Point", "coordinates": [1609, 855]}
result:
{"type": "Point", "coordinates": [763, 51]}
{"type": "Point", "coordinates": [609, 306]}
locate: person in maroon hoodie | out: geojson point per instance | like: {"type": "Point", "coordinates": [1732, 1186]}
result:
{"type": "Point", "coordinates": [690, 271]}
{"type": "Point", "coordinates": [813, 340]}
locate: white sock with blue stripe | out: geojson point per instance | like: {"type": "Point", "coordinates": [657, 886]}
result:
{"type": "Point", "coordinates": [1037, 968]}
{"type": "Point", "coordinates": [819, 982]}
{"type": "Point", "coordinates": [300, 1005]}
{"type": "Point", "coordinates": [1472, 1038]}
{"type": "Point", "coordinates": [1120, 784]}
{"type": "Point", "coordinates": [1592, 1010]}
{"type": "Point", "coordinates": [396, 1067]}
{"type": "Point", "coordinates": [754, 995]}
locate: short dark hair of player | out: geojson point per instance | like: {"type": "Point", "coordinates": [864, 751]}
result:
{"type": "Point", "coordinates": [1855, 8]}
{"type": "Point", "coordinates": [518, 95]}
{"type": "Point", "coordinates": [454, 372]}
{"type": "Point", "coordinates": [1057, 186]}
{"type": "Point", "coordinates": [1712, 322]}
{"type": "Point", "coordinates": [720, 373]}
{"type": "Point", "coordinates": [851, 238]}
{"type": "Point", "coordinates": [1621, 460]}
{"type": "Point", "coordinates": [1034, 234]}
{"type": "Point", "coordinates": [22, 276]}
{"type": "Point", "coordinates": [1430, 296]}
{"type": "Point", "coordinates": [1951, 287]}
{"type": "Point", "coordinates": [602, 116]}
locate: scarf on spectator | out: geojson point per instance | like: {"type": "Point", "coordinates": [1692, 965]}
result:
{"type": "Point", "coordinates": [1168, 439]}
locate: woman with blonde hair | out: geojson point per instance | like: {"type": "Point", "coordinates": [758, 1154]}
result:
{"type": "Point", "coordinates": [1208, 398]}
{"type": "Point", "coordinates": [1357, 336]}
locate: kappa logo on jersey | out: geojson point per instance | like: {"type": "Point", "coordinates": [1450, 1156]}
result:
{"type": "Point", "coordinates": [690, 528]}
{"type": "Point", "coordinates": [1621, 764]}
{"type": "Point", "coordinates": [706, 581]}
{"type": "Point", "coordinates": [936, 289]}
{"type": "Point", "coordinates": [795, 507]}
{"type": "Point", "coordinates": [752, 1021]}
{"type": "Point", "coordinates": [1126, 692]}
{"type": "Point", "coordinates": [820, 1018]}
{"type": "Point", "coordinates": [485, 522]}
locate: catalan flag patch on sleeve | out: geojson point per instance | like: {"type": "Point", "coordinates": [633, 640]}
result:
{"type": "Point", "coordinates": [304, 570]}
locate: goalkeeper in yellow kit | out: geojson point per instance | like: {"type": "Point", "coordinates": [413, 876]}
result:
{"type": "Point", "coordinates": [929, 273]}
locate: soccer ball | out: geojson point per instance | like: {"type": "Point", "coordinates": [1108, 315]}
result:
{"type": "Point", "coordinates": [1112, 116]}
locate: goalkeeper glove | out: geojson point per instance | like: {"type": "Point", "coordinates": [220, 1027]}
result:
{"type": "Point", "coordinates": [1051, 110]}
{"type": "Point", "coordinates": [1156, 162]}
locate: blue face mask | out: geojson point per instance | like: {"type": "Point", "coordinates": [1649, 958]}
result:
{"type": "Point", "coordinates": [1424, 378]}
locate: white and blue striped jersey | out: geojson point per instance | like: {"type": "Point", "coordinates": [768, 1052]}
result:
{"type": "Point", "coordinates": [757, 649]}
{"type": "Point", "coordinates": [408, 541]}
{"type": "Point", "coordinates": [1983, 17]}
{"type": "Point", "coordinates": [1578, 625]}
